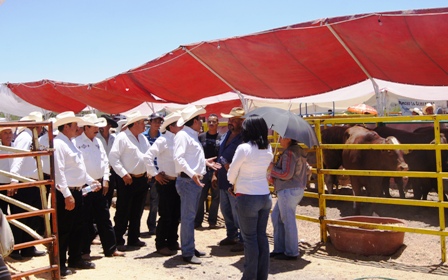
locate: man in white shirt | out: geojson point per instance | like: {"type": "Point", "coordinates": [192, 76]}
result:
{"type": "Point", "coordinates": [127, 158]}
{"type": "Point", "coordinates": [70, 177]}
{"type": "Point", "coordinates": [108, 139]}
{"type": "Point", "coordinates": [27, 167]}
{"type": "Point", "coordinates": [95, 207]}
{"type": "Point", "coordinates": [5, 164]}
{"type": "Point", "coordinates": [165, 184]}
{"type": "Point", "coordinates": [190, 164]}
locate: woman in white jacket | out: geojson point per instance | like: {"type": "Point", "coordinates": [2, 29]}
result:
{"type": "Point", "coordinates": [247, 173]}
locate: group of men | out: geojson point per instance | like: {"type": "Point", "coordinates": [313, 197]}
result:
{"type": "Point", "coordinates": [179, 167]}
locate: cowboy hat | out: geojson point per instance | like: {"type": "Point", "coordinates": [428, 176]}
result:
{"type": "Point", "coordinates": [188, 113]}
{"type": "Point", "coordinates": [5, 128]}
{"type": "Point", "coordinates": [93, 120]}
{"type": "Point", "coordinates": [120, 125]}
{"type": "Point", "coordinates": [133, 117]}
{"type": "Point", "coordinates": [427, 106]}
{"type": "Point", "coordinates": [417, 111]}
{"type": "Point", "coordinates": [66, 117]}
{"type": "Point", "coordinates": [169, 119]}
{"type": "Point", "coordinates": [33, 116]}
{"type": "Point", "coordinates": [110, 121]}
{"type": "Point", "coordinates": [236, 112]}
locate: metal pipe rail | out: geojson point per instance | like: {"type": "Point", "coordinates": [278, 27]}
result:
{"type": "Point", "coordinates": [320, 171]}
{"type": "Point", "coordinates": [50, 238]}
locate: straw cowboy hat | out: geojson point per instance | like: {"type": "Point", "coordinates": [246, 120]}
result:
{"type": "Point", "coordinates": [33, 116]}
{"type": "Point", "coordinates": [5, 128]}
{"type": "Point", "coordinates": [427, 106]}
{"type": "Point", "coordinates": [93, 120]}
{"type": "Point", "coordinates": [169, 119]}
{"type": "Point", "coordinates": [236, 112]}
{"type": "Point", "coordinates": [66, 117]}
{"type": "Point", "coordinates": [133, 117]}
{"type": "Point", "coordinates": [188, 113]}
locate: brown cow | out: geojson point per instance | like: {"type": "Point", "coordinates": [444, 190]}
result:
{"type": "Point", "coordinates": [370, 160]}
{"type": "Point", "coordinates": [332, 159]}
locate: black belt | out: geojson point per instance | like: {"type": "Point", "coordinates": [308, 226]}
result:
{"type": "Point", "coordinates": [75, 188]}
{"type": "Point", "coordinates": [184, 175]}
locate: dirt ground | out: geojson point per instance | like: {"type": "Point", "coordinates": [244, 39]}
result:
{"type": "Point", "coordinates": [418, 258]}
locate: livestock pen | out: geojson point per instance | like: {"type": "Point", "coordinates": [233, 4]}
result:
{"type": "Point", "coordinates": [320, 171]}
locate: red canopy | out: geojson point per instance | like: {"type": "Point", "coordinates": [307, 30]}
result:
{"type": "Point", "coordinates": [294, 61]}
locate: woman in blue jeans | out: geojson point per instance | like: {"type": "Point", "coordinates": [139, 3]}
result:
{"type": "Point", "coordinates": [289, 176]}
{"type": "Point", "coordinates": [247, 173]}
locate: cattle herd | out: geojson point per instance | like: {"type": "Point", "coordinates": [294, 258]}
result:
{"type": "Point", "coordinates": [386, 160]}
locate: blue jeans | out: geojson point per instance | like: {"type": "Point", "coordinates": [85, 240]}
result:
{"type": "Point", "coordinates": [214, 204]}
{"type": "Point", "coordinates": [228, 210]}
{"type": "Point", "coordinates": [253, 215]}
{"type": "Point", "coordinates": [286, 239]}
{"type": "Point", "coordinates": [189, 194]}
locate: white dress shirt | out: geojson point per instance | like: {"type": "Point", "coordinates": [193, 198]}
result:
{"type": "Point", "coordinates": [128, 154]}
{"type": "Point", "coordinates": [163, 150]}
{"type": "Point", "coordinates": [248, 169]}
{"type": "Point", "coordinates": [95, 157]}
{"type": "Point", "coordinates": [44, 144]}
{"type": "Point", "coordinates": [107, 146]}
{"type": "Point", "coordinates": [188, 153]}
{"type": "Point", "coordinates": [70, 170]}
{"type": "Point", "coordinates": [24, 166]}
{"type": "Point", "coordinates": [5, 165]}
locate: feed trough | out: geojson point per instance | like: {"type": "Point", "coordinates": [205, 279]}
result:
{"type": "Point", "coordinates": [366, 241]}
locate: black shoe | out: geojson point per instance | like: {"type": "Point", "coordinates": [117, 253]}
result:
{"type": "Point", "coordinates": [198, 253]}
{"type": "Point", "coordinates": [198, 226]}
{"type": "Point", "coordinates": [82, 265]}
{"type": "Point", "coordinates": [138, 243]}
{"type": "Point", "coordinates": [35, 253]}
{"type": "Point", "coordinates": [165, 251]}
{"type": "Point", "coordinates": [284, 257]}
{"type": "Point", "coordinates": [274, 254]}
{"type": "Point", "coordinates": [65, 271]}
{"type": "Point", "coordinates": [214, 226]}
{"type": "Point", "coordinates": [192, 260]}
{"type": "Point", "coordinates": [238, 247]}
{"type": "Point", "coordinates": [227, 242]}
{"type": "Point", "coordinates": [15, 255]}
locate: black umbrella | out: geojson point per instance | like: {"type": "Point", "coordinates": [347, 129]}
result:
{"type": "Point", "coordinates": [287, 124]}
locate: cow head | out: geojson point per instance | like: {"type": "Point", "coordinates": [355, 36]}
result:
{"type": "Point", "coordinates": [394, 158]}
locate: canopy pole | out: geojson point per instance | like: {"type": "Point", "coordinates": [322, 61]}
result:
{"type": "Point", "coordinates": [349, 51]}
{"type": "Point", "coordinates": [210, 69]}
{"type": "Point", "coordinates": [151, 106]}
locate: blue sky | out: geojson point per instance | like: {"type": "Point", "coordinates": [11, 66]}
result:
{"type": "Point", "coordinates": [87, 41]}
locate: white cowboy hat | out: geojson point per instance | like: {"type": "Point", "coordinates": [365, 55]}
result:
{"type": "Point", "coordinates": [33, 116]}
{"type": "Point", "coordinates": [427, 106]}
{"type": "Point", "coordinates": [417, 111]}
{"type": "Point", "coordinates": [66, 117]}
{"type": "Point", "coordinates": [133, 117]}
{"type": "Point", "coordinates": [169, 119]}
{"type": "Point", "coordinates": [120, 125]}
{"type": "Point", "coordinates": [93, 120]}
{"type": "Point", "coordinates": [188, 113]}
{"type": "Point", "coordinates": [236, 112]}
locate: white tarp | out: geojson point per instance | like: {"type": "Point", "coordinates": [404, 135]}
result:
{"type": "Point", "coordinates": [13, 105]}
